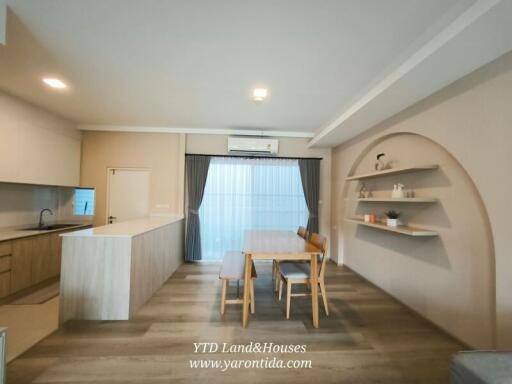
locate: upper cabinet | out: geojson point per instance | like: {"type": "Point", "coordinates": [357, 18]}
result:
{"type": "Point", "coordinates": [37, 147]}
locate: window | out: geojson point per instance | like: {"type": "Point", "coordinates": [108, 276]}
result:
{"type": "Point", "coordinates": [83, 204]}
{"type": "Point", "coordinates": [243, 194]}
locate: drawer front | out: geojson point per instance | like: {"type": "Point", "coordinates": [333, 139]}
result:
{"type": "Point", "coordinates": [5, 248]}
{"type": "Point", "coordinates": [5, 263]}
{"type": "Point", "coordinates": [5, 284]}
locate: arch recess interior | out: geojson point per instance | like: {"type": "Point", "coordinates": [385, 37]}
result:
{"type": "Point", "coordinates": [448, 279]}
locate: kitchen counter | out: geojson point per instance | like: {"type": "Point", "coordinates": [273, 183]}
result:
{"type": "Point", "coordinates": [127, 228]}
{"type": "Point", "coordinates": [109, 272]}
{"type": "Point", "coordinates": [18, 232]}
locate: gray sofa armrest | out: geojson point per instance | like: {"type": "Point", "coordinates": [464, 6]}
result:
{"type": "Point", "coordinates": [481, 367]}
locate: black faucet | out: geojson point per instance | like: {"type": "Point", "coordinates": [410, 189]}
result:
{"type": "Point", "coordinates": [41, 224]}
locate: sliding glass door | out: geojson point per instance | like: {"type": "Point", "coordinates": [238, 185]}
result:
{"type": "Point", "coordinates": [245, 194]}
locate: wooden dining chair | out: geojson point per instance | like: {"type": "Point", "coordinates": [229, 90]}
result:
{"type": "Point", "coordinates": [302, 232]}
{"type": "Point", "coordinates": [232, 269]}
{"type": "Point", "coordinates": [299, 273]}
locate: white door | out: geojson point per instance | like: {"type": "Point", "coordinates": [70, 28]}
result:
{"type": "Point", "coordinates": [128, 194]}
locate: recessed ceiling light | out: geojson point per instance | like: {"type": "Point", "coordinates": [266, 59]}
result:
{"type": "Point", "coordinates": [54, 83]}
{"type": "Point", "coordinates": [259, 94]}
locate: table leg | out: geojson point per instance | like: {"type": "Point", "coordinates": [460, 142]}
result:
{"type": "Point", "coordinates": [247, 289]}
{"type": "Point", "coordinates": [314, 289]}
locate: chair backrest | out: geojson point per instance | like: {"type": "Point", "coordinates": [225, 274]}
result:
{"type": "Point", "coordinates": [320, 242]}
{"type": "Point", "coordinates": [302, 232]}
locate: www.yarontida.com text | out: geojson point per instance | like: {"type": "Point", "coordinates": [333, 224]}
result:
{"type": "Point", "coordinates": [268, 362]}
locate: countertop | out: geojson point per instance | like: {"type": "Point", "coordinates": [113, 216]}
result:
{"type": "Point", "coordinates": [18, 232]}
{"type": "Point", "coordinates": [126, 228]}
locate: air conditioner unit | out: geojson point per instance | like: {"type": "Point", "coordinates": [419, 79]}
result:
{"type": "Point", "coordinates": [253, 145]}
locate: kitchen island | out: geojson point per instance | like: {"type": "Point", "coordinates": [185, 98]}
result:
{"type": "Point", "coordinates": [109, 272]}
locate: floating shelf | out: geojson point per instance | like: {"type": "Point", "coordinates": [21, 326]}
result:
{"type": "Point", "coordinates": [392, 171]}
{"type": "Point", "coordinates": [404, 230]}
{"type": "Point", "coordinates": [400, 200]}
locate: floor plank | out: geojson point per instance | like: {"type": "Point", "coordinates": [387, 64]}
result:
{"type": "Point", "coordinates": [368, 338]}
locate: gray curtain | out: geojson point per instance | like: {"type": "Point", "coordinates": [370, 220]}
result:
{"type": "Point", "coordinates": [310, 177]}
{"type": "Point", "coordinates": [197, 172]}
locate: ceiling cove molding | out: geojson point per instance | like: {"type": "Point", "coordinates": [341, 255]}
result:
{"type": "Point", "coordinates": [201, 131]}
{"type": "Point", "coordinates": [476, 37]}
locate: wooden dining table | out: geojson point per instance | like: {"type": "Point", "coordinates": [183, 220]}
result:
{"type": "Point", "coordinates": [278, 245]}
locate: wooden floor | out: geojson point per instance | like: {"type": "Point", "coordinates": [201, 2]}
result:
{"type": "Point", "coordinates": [368, 338]}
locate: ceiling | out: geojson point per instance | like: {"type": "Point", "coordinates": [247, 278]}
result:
{"type": "Point", "coordinates": [192, 64]}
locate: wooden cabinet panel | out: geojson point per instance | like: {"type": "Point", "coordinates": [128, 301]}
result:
{"type": "Point", "coordinates": [5, 248]}
{"type": "Point", "coordinates": [33, 260]}
{"type": "Point", "coordinates": [55, 256]}
{"type": "Point", "coordinates": [40, 262]}
{"type": "Point", "coordinates": [5, 263]}
{"type": "Point", "coordinates": [5, 284]}
{"type": "Point", "coordinates": [5, 268]}
{"type": "Point", "coordinates": [21, 264]}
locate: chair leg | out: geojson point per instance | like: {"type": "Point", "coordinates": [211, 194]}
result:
{"type": "Point", "coordinates": [277, 276]}
{"type": "Point", "coordinates": [324, 297]}
{"type": "Point", "coordinates": [280, 289]}
{"type": "Point", "coordinates": [288, 297]}
{"type": "Point", "coordinates": [273, 272]}
{"type": "Point", "coordinates": [223, 296]}
{"type": "Point", "coordinates": [253, 303]}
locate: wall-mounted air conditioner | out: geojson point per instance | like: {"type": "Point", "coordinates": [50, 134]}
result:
{"type": "Point", "coordinates": [253, 145]}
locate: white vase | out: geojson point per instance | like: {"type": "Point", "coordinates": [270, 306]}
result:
{"type": "Point", "coordinates": [392, 222]}
{"type": "Point", "coordinates": [398, 191]}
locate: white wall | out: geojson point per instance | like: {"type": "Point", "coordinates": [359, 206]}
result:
{"type": "Point", "coordinates": [472, 120]}
{"type": "Point", "coordinates": [291, 147]}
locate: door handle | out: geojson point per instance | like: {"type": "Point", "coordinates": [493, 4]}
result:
{"type": "Point", "coordinates": [111, 218]}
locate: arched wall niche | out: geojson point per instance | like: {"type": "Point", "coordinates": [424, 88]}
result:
{"type": "Point", "coordinates": [449, 279]}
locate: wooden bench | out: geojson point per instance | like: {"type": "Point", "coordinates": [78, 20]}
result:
{"type": "Point", "coordinates": [233, 269]}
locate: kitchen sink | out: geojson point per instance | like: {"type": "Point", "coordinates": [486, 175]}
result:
{"type": "Point", "coordinates": [50, 227]}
